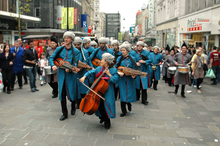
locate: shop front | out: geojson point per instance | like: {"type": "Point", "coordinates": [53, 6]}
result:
{"type": "Point", "coordinates": [201, 28]}
{"type": "Point", "coordinates": [6, 27]}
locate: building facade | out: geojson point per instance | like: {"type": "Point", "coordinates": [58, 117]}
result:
{"type": "Point", "coordinates": [102, 24]}
{"type": "Point", "coordinates": [97, 29]}
{"type": "Point", "coordinates": [167, 12]}
{"type": "Point", "coordinates": [199, 23]}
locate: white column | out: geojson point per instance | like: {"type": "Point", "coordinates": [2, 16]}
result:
{"type": "Point", "coordinates": [216, 40]}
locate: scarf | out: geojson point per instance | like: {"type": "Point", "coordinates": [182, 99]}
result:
{"type": "Point", "coordinates": [100, 73]}
{"type": "Point", "coordinates": [199, 62]}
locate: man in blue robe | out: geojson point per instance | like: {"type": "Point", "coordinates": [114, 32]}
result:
{"type": "Point", "coordinates": [66, 79]}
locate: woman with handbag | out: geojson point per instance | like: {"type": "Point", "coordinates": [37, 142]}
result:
{"type": "Point", "coordinates": [198, 71]}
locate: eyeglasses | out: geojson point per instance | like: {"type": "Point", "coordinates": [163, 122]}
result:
{"type": "Point", "coordinates": [77, 44]}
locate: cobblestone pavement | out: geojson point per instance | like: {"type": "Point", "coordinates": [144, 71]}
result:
{"type": "Point", "coordinates": [32, 119]}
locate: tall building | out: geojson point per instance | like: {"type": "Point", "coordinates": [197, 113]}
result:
{"type": "Point", "coordinates": [102, 24]}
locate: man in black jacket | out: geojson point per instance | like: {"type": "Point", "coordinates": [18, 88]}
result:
{"type": "Point", "coordinates": [30, 61]}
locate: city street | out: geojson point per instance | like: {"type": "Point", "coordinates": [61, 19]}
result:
{"type": "Point", "coordinates": [32, 119]}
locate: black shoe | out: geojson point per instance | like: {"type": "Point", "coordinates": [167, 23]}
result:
{"type": "Point", "coordinates": [25, 83]}
{"type": "Point", "coordinates": [101, 121]}
{"type": "Point", "coordinates": [107, 125]}
{"type": "Point", "coordinates": [63, 117]}
{"type": "Point", "coordinates": [145, 103]}
{"type": "Point", "coordinates": [183, 95]}
{"type": "Point", "coordinates": [165, 81]}
{"type": "Point", "coordinates": [12, 89]}
{"type": "Point", "coordinates": [155, 88]}
{"type": "Point", "coordinates": [122, 114]}
{"type": "Point", "coordinates": [20, 87]}
{"type": "Point", "coordinates": [129, 107]}
{"type": "Point", "coordinates": [9, 92]}
{"type": "Point", "coordinates": [73, 111]}
{"type": "Point", "coordinates": [36, 90]}
{"type": "Point", "coordinates": [3, 89]}
{"type": "Point", "coordinates": [175, 92]}
{"type": "Point", "coordinates": [55, 96]}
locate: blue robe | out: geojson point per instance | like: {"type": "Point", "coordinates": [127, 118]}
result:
{"type": "Point", "coordinates": [99, 54]}
{"type": "Point", "coordinates": [109, 95]}
{"type": "Point", "coordinates": [145, 67]}
{"type": "Point", "coordinates": [81, 88]}
{"type": "Point", "coordinates": [157, 58]}
{"type": "Point", "coordinates": [127, 88]}
{"type": "Point", "coordinates": [18, 64]}
{"type": "Point", "coordinates": [70, 78]}
{"type": "Point", "coordinates": [117, 55]}
{"type": "Point", "coordinates": [90, 51]}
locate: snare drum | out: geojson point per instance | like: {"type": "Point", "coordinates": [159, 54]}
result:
{"type": "Point", "coordinates": [48, 70]}
{"type": "Point", "coordinates": [154, 67]}
{"type": "Point", "coordinates": [172, 69]}
{"type": "Point", "coordinates": [183, 70]}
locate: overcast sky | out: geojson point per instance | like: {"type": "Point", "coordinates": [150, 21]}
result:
{"type": "Point", "coordinates": [127, 9]}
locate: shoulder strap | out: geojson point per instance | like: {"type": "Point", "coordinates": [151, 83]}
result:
{"type": "Point", "coordinates": [133, 62]}
{"type": "Point", "coordinates": [74, 57]}
{"type": "Point", "coordinates": [119, 63]}
{"type": "Point", "coordinates": [59, 52]}
{"type": "Point", "coordinates": [95, 54]}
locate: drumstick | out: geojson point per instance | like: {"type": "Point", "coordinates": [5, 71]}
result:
{"type": "Point", "coordinates": [93, 91]}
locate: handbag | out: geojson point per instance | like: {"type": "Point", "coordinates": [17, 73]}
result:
{"type": "Point", "coordinates": [210, 74]}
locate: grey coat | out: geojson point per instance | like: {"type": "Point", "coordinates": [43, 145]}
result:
{"type": "Point", "coordinates": [169, 60]}
{"type": "Point", "coordinates": [180, 78]}
{"type": "Point", "coordinates": [164, 67]}
{"type": "Point", "coordinates": [54, 77]}
{"type": "Point", "coordinates": [198, 73]}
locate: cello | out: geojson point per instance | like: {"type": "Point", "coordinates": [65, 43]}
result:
{"type": "Point", "coordinates": [90, 103]}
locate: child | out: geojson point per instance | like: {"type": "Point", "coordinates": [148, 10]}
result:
{"type": "Point", "coordinates": [41, 66]}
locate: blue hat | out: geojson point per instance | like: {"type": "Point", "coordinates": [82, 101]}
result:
{"type": "Point", "coordinates": [25, 41]}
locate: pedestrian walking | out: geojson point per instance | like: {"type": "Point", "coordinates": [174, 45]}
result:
{"type": "Point", "coordinates": [214, 63]}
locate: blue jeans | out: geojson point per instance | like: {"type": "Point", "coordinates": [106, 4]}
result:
{"type": "Point", "coordinates": [31, 72]}
{"type": "Point", "coordinates": [194, 82]}
{"type": "Point", "coordinates": [216, 72]}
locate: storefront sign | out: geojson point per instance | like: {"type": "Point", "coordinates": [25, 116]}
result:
{"type": "Point", "coordinates": [151, 13]}
{"type": "Point", "coordinates": [203, 20]}
{"type": "Point", "coordinates": [192, 25]}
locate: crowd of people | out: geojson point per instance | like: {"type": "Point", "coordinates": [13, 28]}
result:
{"type": "Point", "coordinates": [177, 66]}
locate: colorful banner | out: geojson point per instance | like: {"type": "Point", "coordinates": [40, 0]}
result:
{"type": "Point", "coordinates": [71, 18]}
{"type": "Point", "coordinates": [120, 36]}
{"type": "Point", "coordinates": [83, 20]}
{"type": "Point", "coordinates": [140, 30]}
{"type": "Point", "coordinates": [151, 13]}
{"type": "Point", "coordinates": [64, 18]}
{"type": "Point", "coordinates": [75, 16]}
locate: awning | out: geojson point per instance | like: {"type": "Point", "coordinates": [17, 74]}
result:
{"type": "Point", "coordinates": [80, 33]}
{"type": "Point", "coordinates": [37, 36]}
{"type": "Point", "coordinates": [12, 16]}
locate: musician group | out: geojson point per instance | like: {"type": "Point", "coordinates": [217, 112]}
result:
{"type": "Point", "coordinates": [90, 72]}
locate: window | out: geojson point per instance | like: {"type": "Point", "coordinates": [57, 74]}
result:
{"type": "Point", "coordinates": [37, 12]}
{"type": "Point", "coordinates": [205, 4]}
{"type": "Point", "coordinates": [214, 1]}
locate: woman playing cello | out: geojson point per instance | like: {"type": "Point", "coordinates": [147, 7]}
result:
{"type": "Point", "coordinates": [127, 89]}
{"type": "Point", "coordinates": [107, 107]}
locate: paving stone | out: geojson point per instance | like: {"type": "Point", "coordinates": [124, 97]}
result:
{"type": "Point", "coordinates": [58, 138]}
{"type": "Point", "coordinates": [189, 134]}
{"type": "Point", "coordinates": [9, 142]}
{"type": "Point", "coordinates": [36, 136]}
{"type": "Point", "coordinates": [85, 141]}
{"type": "Point", "coordinates": [197, 141]}
{"type": "Point", "coordinates": [165, 133]}
{"type": "Point", "coordinates": [108, 142]}
{"type": "Point", "coordinates": [17, 134]}
{"type": "Point", "coordinates": [40, 143]}
{"type": "Point", "coordinates": [133, 143]}
{"type": "Point", "coordinates": [125, 137]}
